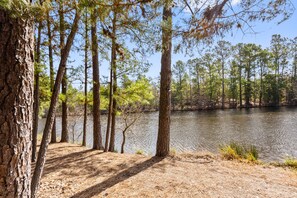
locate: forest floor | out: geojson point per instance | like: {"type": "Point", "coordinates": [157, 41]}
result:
{"type": "Point", "coordinates": [75, 171]}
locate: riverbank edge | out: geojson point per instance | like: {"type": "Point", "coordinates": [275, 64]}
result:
{"type": "Point", "coordinates": [75, 171]}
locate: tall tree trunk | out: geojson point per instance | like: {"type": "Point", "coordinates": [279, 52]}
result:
{"type": "Point", "coordinates": [36, 94]}
{"type": "Point", "coordinates": [114, 111]}
{"type": "Point", "coordinates": [16, 99]}
{"type": "Point", "coordinates": [64, 132]}
{"type": "Point", "coordinates": [111, 108]}
{"type": "Point", "coordinates": [52, 72]}
{"type": "Point", "coordinates": [84, 142]}
{"type": "Point", "coordinates": [52, 109]}
{"type": "Point", "coordinates": [114, 89]}
{"type": "Point", "coordinates": [163, 141]}
{"type": "Point", "coordinates": [97, 137]}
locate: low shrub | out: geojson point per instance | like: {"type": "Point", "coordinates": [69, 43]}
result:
{"type": "Point", "coordinates": [237, 151]}
{"type": "Point", "coordinates": [139, 152]}
{"type": "Point", "coordinates": [291, 162]}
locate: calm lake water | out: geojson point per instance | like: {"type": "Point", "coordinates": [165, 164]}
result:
{"type": "Point", "coordinates": [272, 131]}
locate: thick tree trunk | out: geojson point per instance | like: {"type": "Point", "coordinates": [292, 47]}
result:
{"type": "Point", "coordinates": [36, 94]}
{"type": "Point", "coordinates": [163, 141]}
{"type": "Point", "coordinates": [97, 137]}
{"type": "Point", "coordinates": [52, 72]}
{"type": "Point", "coordinates": [52, 109]}
{"type": "Point", "coordinates": [64, 132]}
{"type": "Point", "coordinates": [84, 141]}
{"type": "Point", "coordinates": [16, 99]}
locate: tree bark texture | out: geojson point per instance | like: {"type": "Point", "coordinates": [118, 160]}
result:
{"type": "Point", "coordinates": [16, 104]}
{"type": "Point", "coordinates": [52, 72]}
{"type": "Point", "coordinates": [36, 94]}
{"type": "Point", "coordinates": [113, 113]}
{"type": "Point", "coordinates": [64, 132]}
{"type": "Point", "coordinates": [97, 137]}
{"type": "Point", "coordinates": [52, 109]}
{"type": "Point", "coordinates": [163, 141]}
{"type": "Point", "coordinates": [113, 84]}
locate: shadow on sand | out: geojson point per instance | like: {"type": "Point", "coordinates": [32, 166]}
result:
{"type": "Point", "coordinates": [120, 177]}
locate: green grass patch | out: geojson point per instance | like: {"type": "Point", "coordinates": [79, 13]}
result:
{"type": "Point", "coordinates": [235, 151]}
{"type": "Point", "coordinates": [291, 162]}
{"type": "Point", "coordinates": [139, 152]}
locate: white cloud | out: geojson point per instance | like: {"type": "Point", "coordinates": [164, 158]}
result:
{"type": "Point", "coordinates": [235, 2]}
{"type": "Point", "coordinates": [198, 4]}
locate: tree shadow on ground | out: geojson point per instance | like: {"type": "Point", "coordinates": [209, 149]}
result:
{"type": "Point", "coordinates": [65, 160]}
{"type": "Point", "coordinates": [120, 177]}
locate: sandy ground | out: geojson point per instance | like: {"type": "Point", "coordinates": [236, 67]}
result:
{"type": "Point", "coordinates": [75, 171]}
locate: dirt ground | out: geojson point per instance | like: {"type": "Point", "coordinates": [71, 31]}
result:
{"type": "Point", "coordinates": [75, 171]}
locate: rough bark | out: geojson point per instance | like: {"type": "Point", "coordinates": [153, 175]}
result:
{"type": "Point", "coordinates": [97, 137]}
{"type": "Point", "coordinates": [52, 72]}
{"type": "Point", "coordinates": [52, 109]}
{"type": "Point", "coordinates": [36, 94]}
{"type": "Point", "coordinates": [64, 132]}
{"type": "Point", "coordinates": [16, 104]}
{"type": "Point", "coordinates": [163, 141]}
{"type": "Point", "coordinates": [113, 84]}
{"type": "Point", "coordinates": [109, 128]}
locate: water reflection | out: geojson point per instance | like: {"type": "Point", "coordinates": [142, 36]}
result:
{"type": "Point", "coordinates": [272, 130]}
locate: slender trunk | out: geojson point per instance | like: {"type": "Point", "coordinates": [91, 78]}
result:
{"type": "Point", "coordinates": [97, 137]}
{"type": "Point", "coordinates": [52, 109]}
{"type": "Point", "coordinates": [36, 94]}
{"type": "Point", "coordinates": [124, 141]}
{"type": "Point", "coordinates": [16, 99]}
{"type": "Point", "coordinates": [52, 73]}
{"type": "Point", "coordinates": [114, 111]}
{"type": "Point", "coordinates": [84, 142]}
{"type": "Point", "coordinates": [163, 141]}
{"type": "Point", "coordinates": [112, 102]}
{"type": "Point", "coordinates": [109, 109]}
{"type": "Point", "coordinates": [64, 132]}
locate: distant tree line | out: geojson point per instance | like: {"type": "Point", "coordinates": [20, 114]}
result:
{"type": "Point", "coordinates": [241, 75]}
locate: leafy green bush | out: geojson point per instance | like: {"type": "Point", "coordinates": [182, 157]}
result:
{"type": "Point", "coordinates": [237, 151]}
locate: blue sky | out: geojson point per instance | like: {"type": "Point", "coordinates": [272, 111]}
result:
{"type": "Point", "coordinates": [262, 36]}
